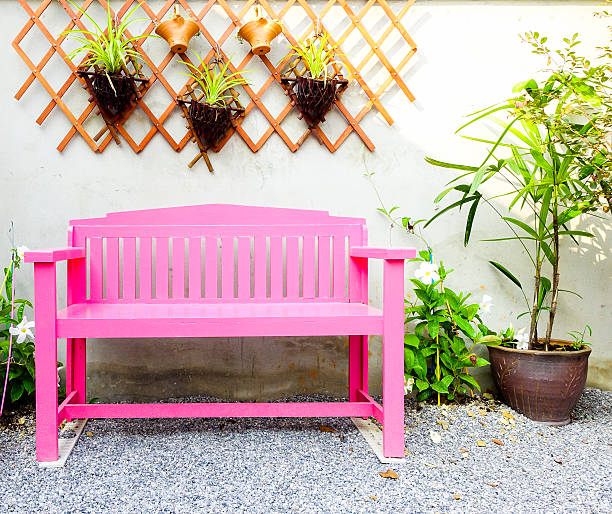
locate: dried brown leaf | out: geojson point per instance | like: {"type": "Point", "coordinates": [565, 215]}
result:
{"type": "Point", "coordinates": [389, 474]}
{"type": "Point", "coordinates": [325, 428]}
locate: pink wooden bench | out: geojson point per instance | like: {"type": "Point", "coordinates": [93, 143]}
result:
{"type": "Point", "coordinates": [217, 270]}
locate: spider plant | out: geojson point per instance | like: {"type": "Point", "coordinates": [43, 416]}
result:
{"type": "Point", "coordinates": [106, 48]}
{"type": "Point", "coordinates": [214, 81]}
{"type": "Point", "coordinates": [316, 57]}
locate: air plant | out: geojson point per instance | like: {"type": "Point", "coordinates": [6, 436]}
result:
{"type": "Point", "coordinates": [316, 58]}
{"type": "Point", "coordinates": [108, 48]}
{"type": "Point", "coordinates": [214, 81]}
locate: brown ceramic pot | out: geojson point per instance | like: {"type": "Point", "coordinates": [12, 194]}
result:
{"type": "Point", "coordinates": [259, 34]}
{"type": "Point", "coordinates": [544, 386]}
{"type": "Point", "coordinates": [177, 31]}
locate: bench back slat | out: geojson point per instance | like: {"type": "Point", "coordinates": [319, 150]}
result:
{"type": "Point", "coordinates": [285, 255]}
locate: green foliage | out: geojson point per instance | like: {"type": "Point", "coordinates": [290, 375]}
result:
{"type": "Point", "coordinates": [578, 341]}
{"type": "Point", "coordinates": [438, 355]}
{"type": "Point", "coordinates": [107, 48]}
{"type": "Point", "coordinates": [21, 371]}
{"type": "Point", "coordinates": [316, 56]}
{"type": "Point", "coordinates": [214, 81]}
{"type": "Point", "coordinates": [552, 158]}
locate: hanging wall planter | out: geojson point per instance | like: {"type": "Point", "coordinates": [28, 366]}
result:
{"type": "Point", "coordinates": [260, 32]}
{"type": "Point", "coordinates": [113, 87]}
{"type": "Point", "coordinates": [177, 31]}
{"type": "Point", "coordinates": [211, 105]}
{"type": "Point", "coordinates": [314, 90]}
{"type": "Point", "coordinates": [113, 94]}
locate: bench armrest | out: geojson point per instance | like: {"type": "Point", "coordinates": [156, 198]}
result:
{"type": "Point", "coordinates": [54, 254]}
{"type": "Point", "coordinates": [369, 252]}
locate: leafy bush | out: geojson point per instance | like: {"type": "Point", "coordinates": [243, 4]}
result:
{"type": "Point", "coordinates": [21, 370]}
{"type": "Point", "coordinates": [448, 328]}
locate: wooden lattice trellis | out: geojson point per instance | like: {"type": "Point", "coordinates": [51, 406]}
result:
{"type": "Point", "coordinates": [100, 141]}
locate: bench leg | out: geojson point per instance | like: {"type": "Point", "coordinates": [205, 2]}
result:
{"type": "Point", "coordinates": [45, 361]}
{"type": "Point", "coordinates": [76, 358]}
{"type": "Point", "coordinates": [393, 359]}
{"type": "Point", "coordinates": [358, 366]}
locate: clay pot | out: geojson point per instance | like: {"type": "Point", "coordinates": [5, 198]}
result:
{"type": "Point", "coordinates": [259, 34]}
{"type": "Point", "coordinates": [544, 386]}
{"type": "Point", "coordinates": [177, 31]}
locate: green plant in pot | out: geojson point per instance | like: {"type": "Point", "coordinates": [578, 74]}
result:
{"type": "Point", "coordinates": [551, 161]}
{"type": "Point", "coordinates": [314, 91]}
{"type": "Point", "coordinates": [211, 114]}
{"type": "Point", "coordinates": [109, 52]}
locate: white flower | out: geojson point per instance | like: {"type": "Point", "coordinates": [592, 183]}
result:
{"type": "Point", "coordinates": [486, 304]}
{"type": "Point", "coordinates": [22, 331]}
{"type": "Point", "coordinates": [21, 250]}
{"type": "Point", "coordinates": [427, 272]}
{"type": "Point", "coordinates": [522, 339]}
{"type": "Point", "coordinates": [408, 384]}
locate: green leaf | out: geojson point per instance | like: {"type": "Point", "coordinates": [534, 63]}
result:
{"type": "Point", "coordinates": [433, 327]}
{"type": "Point", "coordinates": [470, 221]}
{"type": "Point", "coordinates": [522, 225]}
{"type": "Point", "coordinates": [545, 287]}
{"type": "Point", "coordinates": [464, 325]}
{"type": "Point", "coordinates": [421, 384]}
{"type": "Point", "coordinates": [411, 340]}
{"type": "Point", "coordinates": [507, 273]}
{"type": "Point", "coordinates": [458, 345]}
{"type": "Point", "coordinates": [441, 386]}
{"type": "Point", "coordinates": [408, 359]}
{"type": "Point", "coordinates": [470, 380]}
{"type": "Point", "coordinates": [458, 203]}
{"type": "Point", "coordinates": [16, 391]}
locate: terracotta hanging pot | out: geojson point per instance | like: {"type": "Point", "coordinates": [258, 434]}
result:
{"type": "Point", "coordinates": [260, 32]}
{"type": "Point", "coordinates": [177, 31]}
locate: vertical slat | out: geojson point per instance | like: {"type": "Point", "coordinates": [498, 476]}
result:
{"type": "Point", "coordinates": [293, 267]}
{"type": "Point", "coordinates": [308, 267]}
{"type": "Point", "coordinates": [210, 262]}
{"type": "Point", "coordinates": [161, 268]}
{"type": "Point", "coordinates": [195, 267]}
{"type": "Point", "coordinates": [112, 268]}
{"type": "Point", "coordinates": [178, 267]}
{"type": "Point", "coordinates": [227, 267]}
{"type": "Point", "coordinates": [145, 268]}
{"type": "Point", "coordinates": [339, 267]}
{"type": "Point", "coordinates": [324, 266]}
{"type": "Point", "coordinates": [129, 268]}
{"type": "Point", "coordinates": [96, 268]}
{"type": "Point", "coordinates": [261, 259]}
{"type": "Point", "coordinates": [244, 267]}
{"type": "Point", "coordinates": [276, 267]}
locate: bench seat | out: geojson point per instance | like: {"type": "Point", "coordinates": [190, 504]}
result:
{"type": "Point", "coordinates": [124, 319]}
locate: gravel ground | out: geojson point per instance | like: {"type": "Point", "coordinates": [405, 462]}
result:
{"type": "Point", "coordinates": [288, 465]}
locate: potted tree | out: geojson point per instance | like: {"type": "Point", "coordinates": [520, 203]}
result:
{"type": "Point", "coordinates": [314, 90]}
{"type": "Point", "coordinates": [109, 52]}
{"type": "Point", "coordinates": [553, 157]}
{"type": "Point", "coordinates": [212, 113]}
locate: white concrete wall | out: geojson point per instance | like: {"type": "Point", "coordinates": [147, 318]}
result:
{"type": "Point", "coordinates": [469, 57]}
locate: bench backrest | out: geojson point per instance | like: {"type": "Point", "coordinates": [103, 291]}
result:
{"type": "Point", "coordinates": [218, 253]}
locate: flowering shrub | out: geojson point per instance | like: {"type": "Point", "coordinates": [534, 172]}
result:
{"type": "Point", "coordinates": [15, 325]}
{"type": "Point", "coordinates": [448, 326]}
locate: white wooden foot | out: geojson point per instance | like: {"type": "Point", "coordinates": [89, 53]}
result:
{"type": "Point", "coordinates": [374, 437]}
{"type": "Point", "coordinates": [66, 444]}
